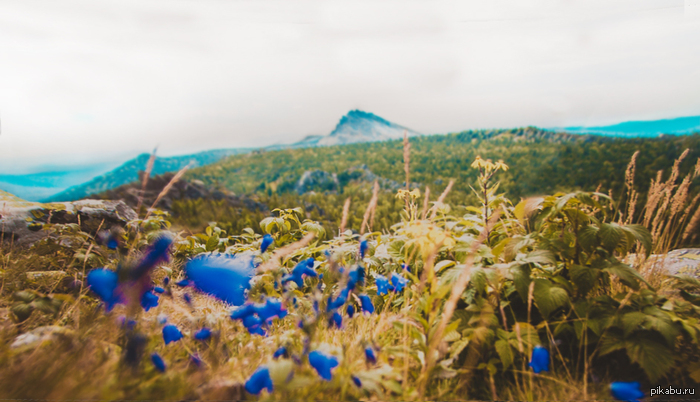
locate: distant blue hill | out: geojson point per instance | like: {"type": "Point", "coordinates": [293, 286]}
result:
{"type": "Point", "coordinates": [129, 172]}
{"type": "Point", "coordinates": [39, 185]}
{"type": "Point", "coordinates": [650, 128]}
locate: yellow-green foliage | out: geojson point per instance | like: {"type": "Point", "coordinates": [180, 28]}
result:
{"type": "Point", "coordinates": [486, 284]}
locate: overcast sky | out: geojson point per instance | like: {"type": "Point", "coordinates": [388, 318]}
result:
{"type": "Point", "coordinates": [99, 80]}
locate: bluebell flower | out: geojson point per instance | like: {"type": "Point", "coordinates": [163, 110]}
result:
{"type": "Point", "coordinates": [363, 248]}
{"type": "Point", "coordinates": [266, 242]}
{"type": "Point", "coordinates": [105, 284]}
{"type": "Point", "coordinates": [158, 289]}
{"type": "Point", "coordinates": [539, 360]}
{"type": "Point", "coordinates": [303, 268]}
{"type": "Point", "coordinates": [282, 351]}
{"type": "Point", "coordinates": [112, 242]}
{"type": "Point", "coordinates": [370, 356]}
{"type": "Point", "coordinates": [158, 362]}
{"type": "Point", "coordinates": [183, 283]}
{"type": "Point", "coordinates": [398, 281]}
{"type": "Point", "coordinates": [149, 300]}
{"type": "Point", "coordinates": [203, 334]}
{"type": "Point", "coordinates": [251, 321]}
{"type": "Point", "coordinates": [223, 276]}
{"type": "Point", "coordinates": [259, 380]}
{"type": "Point", "coordinates": [357, 381]}
{"type": "Point", "coordinates": [323, 364]}
{"type": "Point", "coordinates": [271, 308]}
{"type": "Point", "coordinates": [626, 391]}
{"type": "Point", "coordinates": [350, 310]}
{"type": "Point", "coordinates": [257, 330]}
{"type": "Point", "coordinates": [383, 286]}
{"type": "Point", "coordinates": [171, 334]}
{"type": "Point", "coordinates": [356, 277]}
{"type": "Point", "coordinates": [339, 301]}
{"type": "Point", "coordinates": [367, 305]}
{"type": "Point", "coordinates": [336, 320]}
{"type": "Point", "coordinates": [243, 311]}
{"type": "Point", "coordinates": [155, 254]}
{"type": "Point", "coordinates": [406, 267]}
{"type": "Point", "coordinates": [316, 306]}
{"type": "Point", "coordinates": [187, 298]}
{"type": "Point", "coordinates": [128, 324]}
{"type": "Point", "coordinates": [166, 281]}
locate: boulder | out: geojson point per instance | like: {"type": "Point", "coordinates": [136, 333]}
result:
{"type": "Point", "coordinates": [21, 221]}
{"type": "Point", "coordinates": [38, 336]}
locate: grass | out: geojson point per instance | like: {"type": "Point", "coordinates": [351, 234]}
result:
{"type": "Point", "coordinates": [484, 289]}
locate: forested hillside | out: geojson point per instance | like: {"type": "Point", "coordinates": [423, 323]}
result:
{"type": "Point", "coordinates": [541, 162]}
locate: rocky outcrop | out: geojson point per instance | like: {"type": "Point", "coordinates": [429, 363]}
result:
{"type": "Point", "coordinates": [21, 221]}
{"type": "Point", "coordinates": [317, 180]}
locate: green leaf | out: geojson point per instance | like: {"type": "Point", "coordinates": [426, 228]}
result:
{"type": "Point", "coordinates": [584, 278]}
{"type": "Point", "coordinates": [632, 321]}
{"type": "Point", "coordinates": [548, 298]}
{"type": "Point", "coordinates": [521, 280]}
{"type": "Point", "coordinates": [505, 352]}
{"type": "Point", "coordinates": [610, 235]}
{"type": "Point", "coordinates": [639, 233]}
{"type": "Point", "coordinates": [654, 357]}
{"type": "Point", "coordinates": [212, 242]}
{"type": "Point", "coordinates": [626, 274]}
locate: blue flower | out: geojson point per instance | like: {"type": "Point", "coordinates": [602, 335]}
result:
{"type": "Point", "coordinates": [166, 281]}
{"type": "Point", "coordinates": [350, 310]}
{"type": "Point", "coordinates": [406, 267]}
{"type": "Point", "coordinates": [158, 362]}
{"type": "Point", "coordinates": [367, 305]}
{"type": "Point", "coordinates": [626, 391]}
{"type": "Point", "coordinates": [171, 334]}
{"type": "Point", "coordinates": [243, 311]}
{"type": "Point", "coordinates": [363, 248]}
{"type": "Point", "coordinates": [224, 277]}
{"type": "Point", "coordinates": [304, 267]}
{"type": "Point", "coordinates": [112, 242]}
{"type": "Point", "coordinates": [259, 380]}
{"type": "Point", "coordinates": [398, 281]}
{"type": "Point", "coordinates": [162, 319]}
{"type": "Point", "coordinates": [357, 381]}
{"type": "Point", "coordinates": [266, 242]}
{"type": "Point", "coordinates": [383, 286]}
{"type": "Point", "coordinates": [336, 320]}
{"type": "Point", "coordinates": [158, 289]}
{"type": "Point", "coordinates": [539, 360]}
{"type": "Point", "coordinates": [370, 356]}
{"type": "Point", "coordinates": [203, 334]}
{"type": "Point", "coordinates": [323, 364]}
{"type": "Point", "coordinates": [271, 308]}
{"type": "Point", "coordinates": [155, 254]}
{"type": "Point", "coordinates": [251, 321]}
{"type": "Point", "coordinates": [105, 284]}
{"type": "Point", "coordinates": [187, 298]}
{"type": "Point", "coordinates": [128, 324]}
{"type": "Point", "coordinates": [183, 283]}
{"type": "Point", "coordinates": [149, 300]}
{"type": "Point", "coordinates": [282, 351]}
{"type": "Point", "coordinates": [339, 301]}
{"type": "Point", "coordinates": [355, 277]}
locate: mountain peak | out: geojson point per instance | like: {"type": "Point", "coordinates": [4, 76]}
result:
{"type": "Point", "coordinates": [360, 126]}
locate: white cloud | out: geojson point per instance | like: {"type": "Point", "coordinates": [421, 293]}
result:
{"type": "Point", "coordinates": [86, 80]}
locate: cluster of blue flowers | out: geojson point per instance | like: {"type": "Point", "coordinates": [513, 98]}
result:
{"type": "Point", "coordinates": [621, 391]}
{"type": "Point", "coordinates": [255, 316]}
{"type": "Point", "coordinates": [110, 286]}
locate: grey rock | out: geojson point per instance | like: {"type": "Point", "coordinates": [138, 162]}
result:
{"type": "Point", "coordinates": [39, 335]}
{"type": "Point", "coordinates": [21, 221]}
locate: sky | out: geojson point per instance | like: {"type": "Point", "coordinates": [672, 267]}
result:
{"type": "Point", "coordinates": [98, 81]}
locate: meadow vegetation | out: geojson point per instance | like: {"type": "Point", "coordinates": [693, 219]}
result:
{"type": "Point", "coordinates": [407, 296]}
